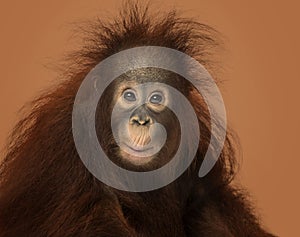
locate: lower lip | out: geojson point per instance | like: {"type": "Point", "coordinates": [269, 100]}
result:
{"type": "Point", "coordinates": [138, 150]}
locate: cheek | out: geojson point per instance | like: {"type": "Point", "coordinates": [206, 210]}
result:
{"type": "Point", "coordinates": [121, 133]}
{"type": "Point", "coordinates": [173, 130]}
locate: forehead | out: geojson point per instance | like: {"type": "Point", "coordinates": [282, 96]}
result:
{"type": "Point", "coordinates": [145, 75]}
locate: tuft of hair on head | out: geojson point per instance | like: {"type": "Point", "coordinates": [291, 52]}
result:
{"type": "Point", "coordinates": [138, 24]}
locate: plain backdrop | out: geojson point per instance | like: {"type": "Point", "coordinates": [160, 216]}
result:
{"type": "Point", "coordinates": [261, 89]}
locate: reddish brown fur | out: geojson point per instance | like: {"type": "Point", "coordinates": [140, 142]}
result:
{"type": "Point", "coordinates": [46, 190]}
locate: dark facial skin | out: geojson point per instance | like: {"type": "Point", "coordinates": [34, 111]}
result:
{"type": "Point", "coordinates": [140, 103]}
{"type": "Point", "coordinates": [137, 137]}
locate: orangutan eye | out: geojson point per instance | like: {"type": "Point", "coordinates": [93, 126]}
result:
{"type": "Point", "coordinates": [156, 98]}
{"type": "Point", "coordinates": [129, 95]}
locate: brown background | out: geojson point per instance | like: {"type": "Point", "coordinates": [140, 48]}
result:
{"type": "Point", "coordinates": [261, 92]}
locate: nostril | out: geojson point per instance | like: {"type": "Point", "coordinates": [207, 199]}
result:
{"type": "Point", "coordinates": [135, 121]}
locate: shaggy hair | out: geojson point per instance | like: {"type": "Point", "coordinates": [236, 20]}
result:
{"type": "Point", "coordinates": [46, 190]}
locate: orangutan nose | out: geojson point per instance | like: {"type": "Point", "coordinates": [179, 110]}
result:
{"type": "Point", "coordinates": [137, 120]}
{"type": "Point", "coordinates": [140, 117]}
